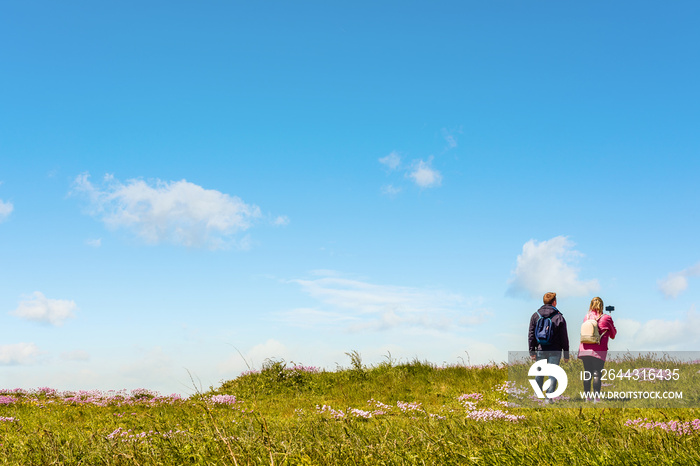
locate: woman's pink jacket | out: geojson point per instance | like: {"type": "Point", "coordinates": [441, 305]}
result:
{"type": "Point", "coordinates": [605, 324]}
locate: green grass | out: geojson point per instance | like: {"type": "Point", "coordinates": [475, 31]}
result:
{"type": "Point", "coordinates": [279, 417]}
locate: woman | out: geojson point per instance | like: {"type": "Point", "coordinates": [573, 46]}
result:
{"type": "Point", "coordinates": [592, 354]}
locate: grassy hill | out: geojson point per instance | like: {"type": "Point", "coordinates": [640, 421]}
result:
{"type": "Point", "coordinates": [408, 413]}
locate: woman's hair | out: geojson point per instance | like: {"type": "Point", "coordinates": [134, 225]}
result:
{"type": "Point", "coordinates": [597, 305]}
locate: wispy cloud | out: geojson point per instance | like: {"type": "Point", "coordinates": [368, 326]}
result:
{"type": "Point", "coordinates": [359, 305]}
{"type": "Point", "coordinates": [255, 357]}
{"type": "Point", "coordinates": [6, 209]}
{"type": "Point", "coordinates": [282, 220]}
{"type": "Point", "coordinates": [549, 266]}
{"type": "Point", "coordinates": [677, 282]}
{"type": "Point", "coordinates": [76, 355]}
{"type": "Point", "coordinates": [18, 354]}
{"type": "Point", "coordinates": [313, 317]}
{"type": "Point", "coordinates": [95, 243]}
{"type": "Point", "coordinates": [420, 172]}
{"type": "Point", "coordinates": [39, 308]}
{"type": "Point", "coordinates": [177, 212]}
{"type": "Point", "coordinates": [680, 334]}
{"type": "Point", "coordinates": [392, 161]}
{"type": "Point", "coordinates": [449, 138]}
{"type": "Point", "coordinates": [154, 361]}
{"type": "Point", "coordinates": [390, 190]}
{"type": "Point", "coordinates": [424, 175]}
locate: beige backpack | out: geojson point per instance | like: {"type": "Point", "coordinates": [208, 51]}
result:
{"type": "Point", "coordinates": [590, 332]}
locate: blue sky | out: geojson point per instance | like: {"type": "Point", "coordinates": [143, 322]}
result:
{"type": "Point", "coordinates": [198, 187]}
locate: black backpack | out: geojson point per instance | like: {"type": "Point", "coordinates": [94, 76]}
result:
{"type": "Point", "coordinates": [544, 329]}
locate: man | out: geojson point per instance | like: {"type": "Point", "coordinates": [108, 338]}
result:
{"type": "Point", "coordinates": [558, 342]}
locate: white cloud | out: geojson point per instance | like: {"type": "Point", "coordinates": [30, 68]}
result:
{"type": "Point", "coordinates": [365, 306]}
{"type": "Point", "coordinates": [390, 190]}
{"type": "Point", "coordinates": [392, 160]}
{"type": "Point", "coordinates": [6, 209]}
{"type": "Point", "coordinates": [682, 334]}
{"type": "Point", "coordinates": [76, 355]}
{"type": "Point", "coordinates": [254, 358]}
{"type": "Point", "coordinates": [116, 368]}
{"type": "Point", "coordinates": [326, 273]}
{"type": "Point", "coordinates": [677, 282]}
{"type": "Point", "coordinates": [548, 266]}
{"type": "Point", "coordinates": [282, 220]}
{"type": "Point", "coordinates": [177, 212]}
{"type": "Point", "coordinates": [18, 354]}
{"type": "Point", "coordinates": [312, 317]}
{"type": "Point", "coordinates": [41, 309]}
{"type": "Point", "coordinates": [451, 141]}
{"type": "Point", "coordinates": [95, 243]}
{"type": "Point", "coordinates": [154, 362]}
{"type": "Point", "coordinates": [420, 172]}
{"type": "Point", "coordinates": [424, 175]}
{"type": "Point", "coordinates": [673, 285]}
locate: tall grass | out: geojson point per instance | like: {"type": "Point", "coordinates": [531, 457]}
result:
{"type": "Point", "coordinates": [391, 413]}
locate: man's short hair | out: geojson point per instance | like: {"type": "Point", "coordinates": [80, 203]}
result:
{"type": "Point", "coordinates": [549, 298]}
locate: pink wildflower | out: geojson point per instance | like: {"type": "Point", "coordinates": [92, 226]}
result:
{"type": "Point", "coordinates": [676, 427]}
{"type": "Point", "coordinates": [490, 414]}
{"type": "Point", "coordinates": [406, 407]}
{"type": "Point", "coordinates": [471, 396]}
{"type": "Point", "coordinates": [223, 399]}
{"type": "Point", "coordinates": [331, 411]}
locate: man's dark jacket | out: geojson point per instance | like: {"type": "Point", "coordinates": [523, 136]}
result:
{"type": "Point", "coordinates": [560, 338]}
